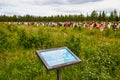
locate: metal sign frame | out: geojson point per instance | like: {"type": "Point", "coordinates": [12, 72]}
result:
{"type": "Point", "coordinates": [38, 52]}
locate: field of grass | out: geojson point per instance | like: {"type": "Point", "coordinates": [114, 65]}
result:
{"type": "Point", "coordinates": [99, 52]}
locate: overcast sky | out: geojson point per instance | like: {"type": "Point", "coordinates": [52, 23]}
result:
{"type": "Point", "coordinates": [56, 7]}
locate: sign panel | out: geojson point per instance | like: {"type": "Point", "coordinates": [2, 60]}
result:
{"type": "Point", "coordinates": [57, 57]}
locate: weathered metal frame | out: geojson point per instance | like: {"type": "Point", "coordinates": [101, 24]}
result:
{"type": "Point", "coordinates": [38, 52]}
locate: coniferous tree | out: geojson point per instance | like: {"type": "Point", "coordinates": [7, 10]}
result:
{"type": "Point", "coordinates": [103, 16]}
{"type": "Point", "coordinates": [111, 17]}
{"type": "Point", "coordinates": [100, 17]}
{"type": "Point", "coordinates": [115, 15]}
{"type": "Point", "coordinates": [87, 18]}
{"type": "Point", "coordinates": [119, 17]}
{"type": "Point", "coordinates": [94, 16]}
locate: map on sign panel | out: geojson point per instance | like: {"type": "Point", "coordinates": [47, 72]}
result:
{"type": "Point", "coordinates": [57, 57]}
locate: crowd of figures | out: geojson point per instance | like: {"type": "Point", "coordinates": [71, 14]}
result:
{"type": "Point", "coordinates": [89, 25]}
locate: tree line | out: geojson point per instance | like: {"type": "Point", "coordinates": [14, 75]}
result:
{"type": "Point", "coordinates": [94, 16]}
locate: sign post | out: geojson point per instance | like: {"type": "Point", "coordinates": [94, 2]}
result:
{"type": "Point", "coordinates": [57, 58]}
{"type": "Point", "coordinates": [58, 74]}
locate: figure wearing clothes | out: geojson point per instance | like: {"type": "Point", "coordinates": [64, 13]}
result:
{"type": "Point", "coordinates": [66, 25]}
{"type": "Point", "coordinates": [114, 26]}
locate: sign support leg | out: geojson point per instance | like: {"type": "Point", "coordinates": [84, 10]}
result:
{"type": "Point", "coordinates": [58, 74]}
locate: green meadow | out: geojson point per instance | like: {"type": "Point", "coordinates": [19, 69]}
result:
{"type": "Point", "coordinates": [99, 52]}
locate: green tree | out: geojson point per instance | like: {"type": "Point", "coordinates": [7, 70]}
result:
{"type": "Point", "coordinates": [103, 16]}
{"type": "Point", "coordinates": [111, 17]}
{"type": "Point", "coordinates": [115, 15]}
{"type": "Point", "coordinates": [100, 17]}
{"type": "Point", "coordinates": [119, 16]}
{"type": "Point", "coordinates": [94, 15]}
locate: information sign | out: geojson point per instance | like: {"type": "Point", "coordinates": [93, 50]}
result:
{"type": "Point", "coordinates": [57, 57]}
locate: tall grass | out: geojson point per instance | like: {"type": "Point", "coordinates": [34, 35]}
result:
{"type": "Point", "coordinates": [99, 52]}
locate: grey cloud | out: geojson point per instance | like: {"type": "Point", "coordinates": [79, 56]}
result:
{"type": "Point", "coordinates": [60, 2]}
{"type": "Point", "coordinates": [48, 2]}
{"type": "Point", "coordinates": [9, 13]}
{"type": "Point", "coordinates": [81, 1]}
{"type": "Point", "coordinates": [67, 10]}
{"type": "Point", "coordinates": [3, 5]}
